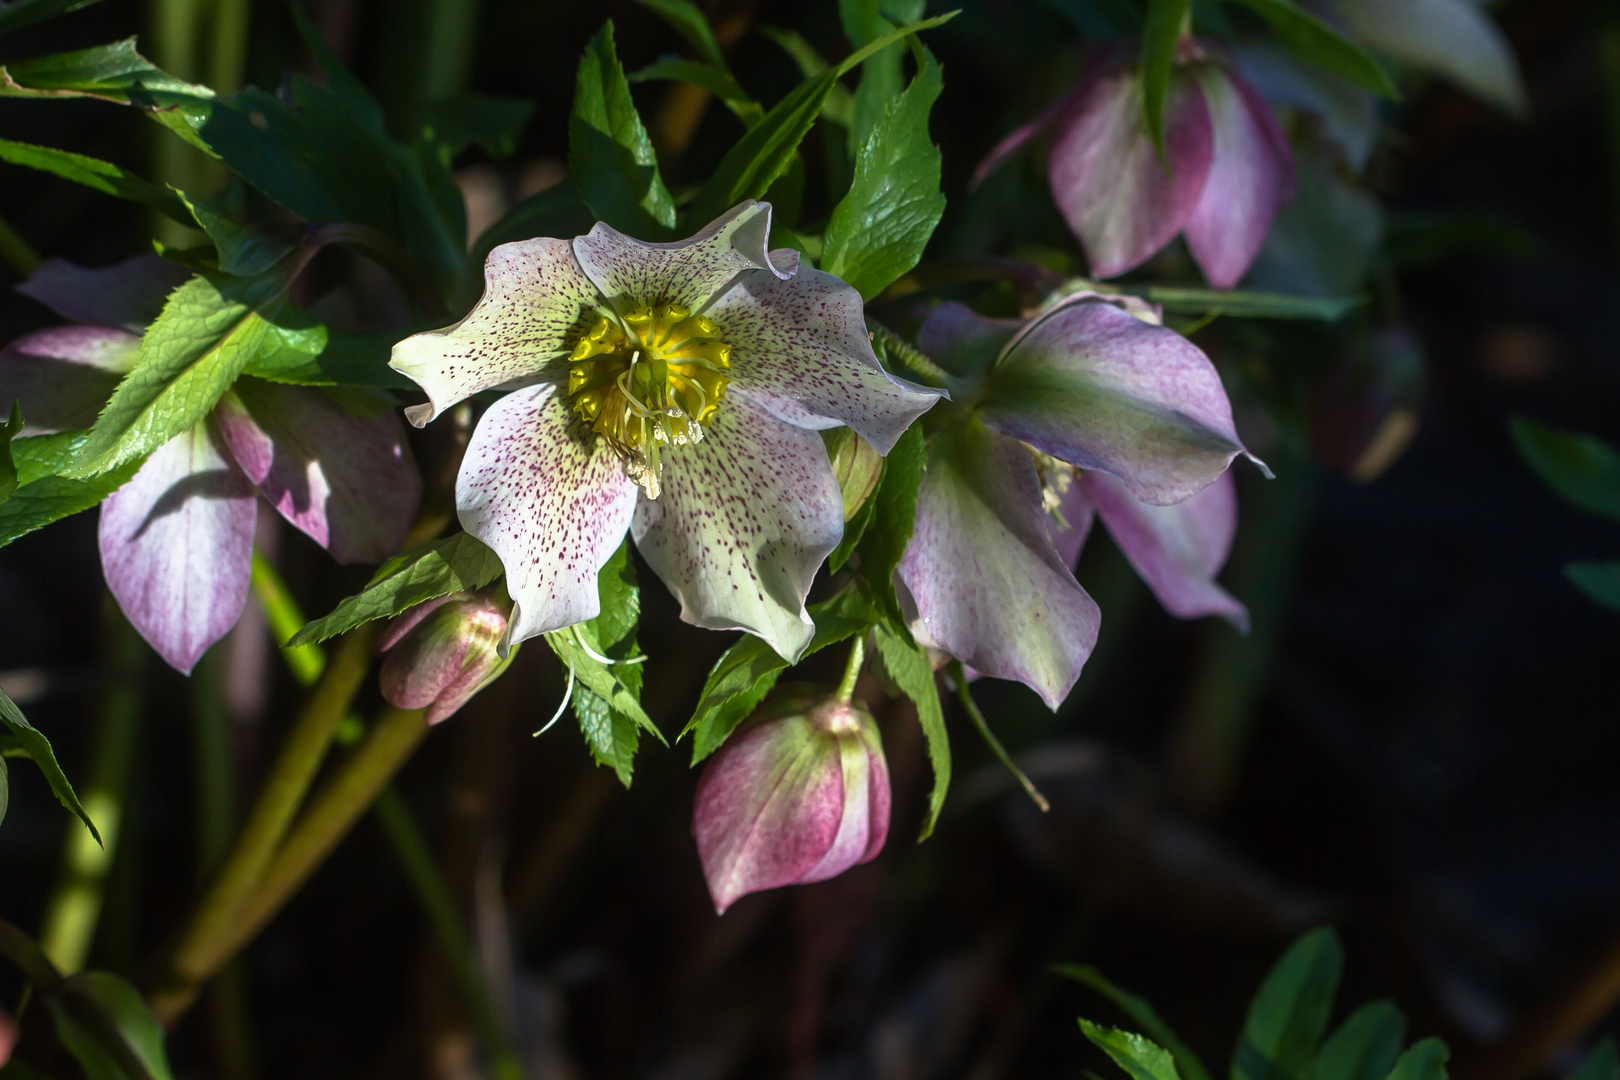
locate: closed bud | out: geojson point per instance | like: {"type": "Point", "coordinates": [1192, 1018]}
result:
{"type": "Point", "coordinates": [441, 653]}
{"type": "Point", "coordinates": [800, 794]}
{"type": "Point", "coordinates": [857, 466]}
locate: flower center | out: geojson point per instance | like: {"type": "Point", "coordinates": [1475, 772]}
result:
{"type": "Point", "coordinates": [655, 385]}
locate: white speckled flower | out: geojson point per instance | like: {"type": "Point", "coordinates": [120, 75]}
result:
{"type": "Point", "coordinates": [674, 390]}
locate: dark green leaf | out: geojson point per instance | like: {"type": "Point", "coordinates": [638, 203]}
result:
{"type": "Point", "coordinates": [716, 81]}
{"type": "Point", "coordinates": [21, 13]}
{"type": "Point", "coordinates": [1165, 19]}
{"type": "Point", "coordinates": [348, 358]}
{"type": "Point", "coordinates": [746, 672]}
{"type": "Point", "coordinates": [558, 211]}
{"type": "Point", "coordinates": [893, 519]}
{"type": "Point", "coordinates": [125, 1019]}
{"type": "Point", "coordinates": [245, 248]}
{"type": "Point", "coordinates": [609, 152]}
{"type": "Point", "coordinates": [1600, 1064]}
{"type": "Point", "coordinates": [340, 81]}
{"type": "Point", "coordinates": [1290, 1013]}
{"type": "Point", "coordinates": [209, 331]}
{"type": "Point", "coordinates": [1582, 469]}
{"type": "Point", "coordinates": [1317, 43]}
{"type": "Point", "coordinates": [1365, 1046]}
{"type": "Point", "coordinates": [907, 664]}
{"type": "Point", "coordinates": [688, 20]}
{"type": "Point", "coordinates": [437, 568]}
{"type": "Point", "coordinates": [1145, 1016]}
{"type": "Point", "coordinates": [1424, 1061]}
{"type": "Point", "coordinates": [43, 495]}
{"type": "Point", "coordinates": [113, 72]}
{"type": "Point", "coordinates": [878, 231]}
{"type": "Point", "coordinates": [1142, 1058]}
{"type": "Point", "coordinates": [881, 77]}
{"type": "Point", "coordinates": [1600, 581]}
{"type": "Point", "coordinates": [33, 745]}
{"type": "Point", "coordinates": [751, 166]}
{"type": "Point", "coordinates": [1251, 305]}
{"type": "Point", "coordinates": [104, 176]}
{"type": "Point", "coordinates": [8, 466]}
{"type": "Point", "coordinates": [494, 124]}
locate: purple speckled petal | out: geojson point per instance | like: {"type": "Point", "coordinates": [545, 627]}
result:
{"type": "Point", "coordinates": [1099, 388]}
{"type": "Point", "coordinates": [983, 577]}
{"type": "Point", "coordinates": [745, 519]}
{"type": "Point", "coordinates": [632, 273]}
{"type": "Point", "coordinates": [800, 350]}
{"type": "Point", "coordinates": [177, 546]}
{"type": "Point", "coordinates": [1251, 178]}
{"type": "Point", "coordinates": [63, 376]}
{"type": "Point", "coordinates": [128, 294]}
{"type": "Point", "coordinates": [534, 294]}
{"type": "Point", "coordinates": [339, 471]}
{"type": "Point", "coordinates": [1108, 180]}
{"type": "Point", "coordinates": [550, 499]}
{"type": "Point", "coordinates": [962, 341]}
{"type": "Point", "coordinates": [1177, 549]}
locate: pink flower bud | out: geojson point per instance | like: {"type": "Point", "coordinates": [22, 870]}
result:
{"type": "Point", "coordinates": [443, 652]}
{"type": "Point", "coordinates": [800, 794]}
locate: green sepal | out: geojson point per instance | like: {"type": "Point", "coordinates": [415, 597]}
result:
{"type": "Point", "coordinates": [23, 739]}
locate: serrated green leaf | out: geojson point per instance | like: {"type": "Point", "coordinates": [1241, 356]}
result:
{"type": "Point", "coordinates": [865, 21]}
{"type": "Point", "coordinates": [1601, 1064]}
{"type": "Point", "coordinates": [613, 737]}
{"type": "Point", "coordinates": [333, 358]}
{"type": "Point", "coordinates": [492, 123]}
{"type": "Point", "coordinates": [878, 231]}
{"type": "Point", "coordinates": [893, 519]}
{"type": "Point", "coordinates": [208, 333]}
{"type": "Point", "coordinates": [1290, 1013]}
{"type": "Point", "coordinates": [610, 153]}
{"type": "Point", "coordinates": [37, 749]}
{"type": "Point", "coordinates": [1160, 35]}
{"type": "Point", "coordinates": [1599, 581]}
{"type": "Point", "coordinates": [1143, 1013]}
{"type": "Point", "coordinates": [458, 563]}
{"type": "Point", "coordinates": [752, 165]}
{"type": "Point", "coordinates": [43, 495]}
{"type": "Point", "coordinates": [1424, 1061]}
{"type": "Point", "coordinates": [21, 13]}
{"type": "Point", "coordinates": [115, 72]}
{"type": "Point", "coordinates": [103, 176]}
{"type": "Point", "coordinates": [613, 734]}
{"type": "Point", "coordinates": [907, 664]}
{"type": "Point", "coordinates": [127, 1019]}
{"type": "Point", "coordinates": [1582, 469]}
{"type": "Point", "coordinates": [245, 249]}
{"type": "Point", "coordinates": [748, 670]}
{"type": "Point", "coordinates": [1318, 44]}
{"type": "Point", "coordinates": [1141, 1058]}
{"type": "Point", "coordinates": [1365, 1046]}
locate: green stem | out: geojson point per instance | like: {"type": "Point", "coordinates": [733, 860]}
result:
{"type": "Point", "coordinates": [227, 58]}
{"type": "Point", "coordinates": [965, 696]}
{"type": "Point", "coordinates": [852, 668]}
{"type": "Point", "coordinates": [286, 618]}
{"type": "Point", "coordinates": [74, 907]}
{"type": "Point", "coordinates": [17, 251]}
{"type": "Point", "coordinates": [434, 896]}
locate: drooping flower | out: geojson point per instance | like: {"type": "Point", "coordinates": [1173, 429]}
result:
{"type": "Point", "coordinates": [177, 539]}
{"type": "Point", "coordinates": [674, 390]}
{"type": "Point", "coordinates": [800, 794]}
{"type": "Point", "coordinates": [1227, 168]}
{"type": "Point", "coordinates": [439, 654]}
{"type": "Point", "coordinates": [1092, 383]}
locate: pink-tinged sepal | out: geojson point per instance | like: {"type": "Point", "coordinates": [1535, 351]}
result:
{"type": "Point", "coordinates": [441, 653]}
{"type": "Point", "coordinates": [127, 294]}
{"type": "Point", "coordinates": [177, 546]}
{"type": "Point", "coordinates": [338, 470]}
{"type": "Point", "coordinates": [799, 794]}
{"type": "Point", "coordinates": [63, 376]}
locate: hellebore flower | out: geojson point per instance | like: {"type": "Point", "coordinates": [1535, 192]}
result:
{"type": "Point", "coordinates": [674, 390]}
{"type": "Point", "coordinates": [799, 794]}
{"type": "Point", "coordinates": [439, 654]}
{"type": "Point", "coordinates": [177, 539]}
{"type": "Point", "coordinates": [1092, 382]}
{"type": "Point", "coordinates": [1227, 168]}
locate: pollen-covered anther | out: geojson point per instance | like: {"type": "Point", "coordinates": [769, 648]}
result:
{"type": "Point", "coordinates": [650, 379]}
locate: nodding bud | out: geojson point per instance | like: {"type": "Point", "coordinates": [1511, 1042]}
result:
{"type": "Point", "coordinates": [441, 653]}
{"type": "Point", "coordinates": [800, 794]}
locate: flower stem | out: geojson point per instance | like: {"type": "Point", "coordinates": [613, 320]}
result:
{"type": "Point", "coordinates": [852, 668]}
{"type": "Point", "coordinates": [285, 617]}
{"type": "Point", "coordinates": [965, 696]}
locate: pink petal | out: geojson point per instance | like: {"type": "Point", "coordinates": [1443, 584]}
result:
{"type": "Point", "coordinates": [128, 294]}
{"type": "Point", "coordinates": [1107, 178]}
{"type": "Point", "coordinates": [1251, 178]}
{"type": "Point", "coordinates": [344, 476]}
{"type": "Point", "coordinates": [985, 581]}
{"type": "Point", "coordinates": [1097, 387]}
{"type": "Point", "coordinates": [551, 500]}
{"type": "Point", "coordinates": [177, 546]}
{"type": "Point", "coordinates": [1176, 549]}
{"type": "Point", "coordinates": [63, 376]}
{"type": "Point", "coordinates": [800, 350]}
{"type": "Point", "coordinates": [745, 519]}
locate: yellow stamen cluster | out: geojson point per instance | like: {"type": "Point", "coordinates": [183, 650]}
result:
{"type": "Point", "coordinates": [650, 379]}
{"type": "Point", "coordinates": [1056, 478]}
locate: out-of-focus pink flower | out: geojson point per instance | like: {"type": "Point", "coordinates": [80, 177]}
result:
{"type": "Point", "coordinates": [799, 795]}
{"type": "Point", "coordinates": [1226, 171]}
{"type": "Point", "coordinates": [442, 653]}
{"type": "Point", "coordinates": [8, 1036]}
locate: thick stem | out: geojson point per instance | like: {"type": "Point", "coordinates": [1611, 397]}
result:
{"type": "Point", "coordinates": [281, 611]}
{"type": "Point", "coordinates": [852, 669]}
